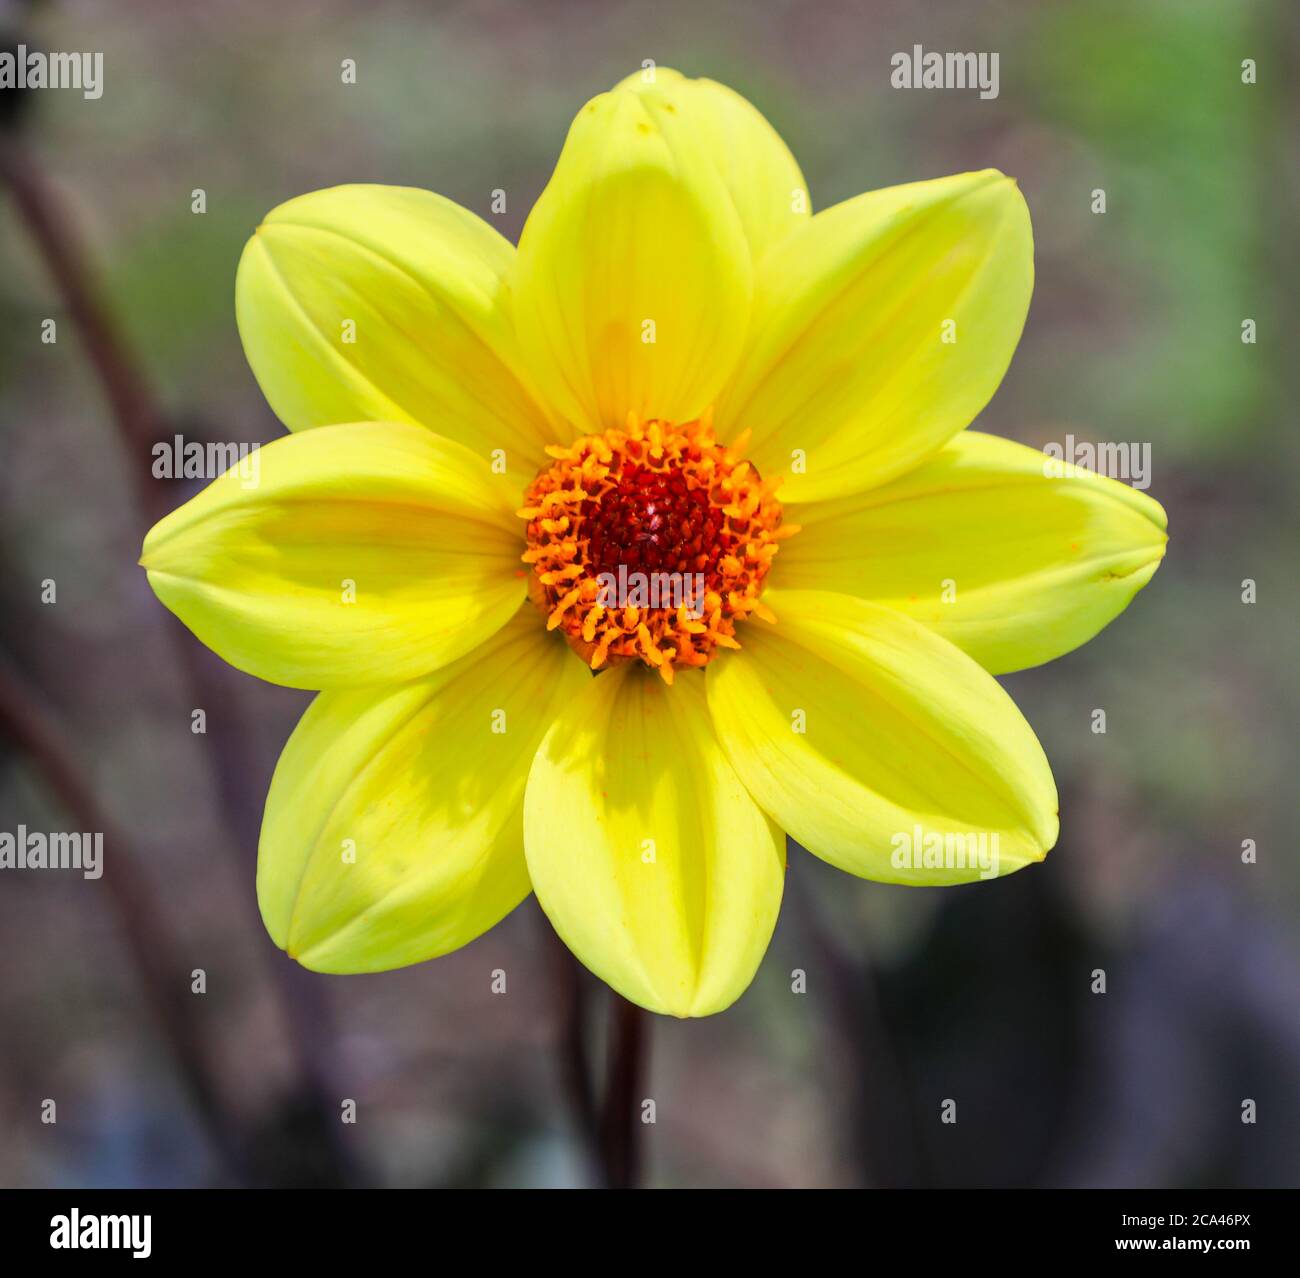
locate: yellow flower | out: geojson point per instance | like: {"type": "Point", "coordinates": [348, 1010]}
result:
{"type": "Point", "coordinates": [678, 370]}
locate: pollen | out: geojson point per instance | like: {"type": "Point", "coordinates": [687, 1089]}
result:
{"type": "Point", "coordinates": [651, 543]}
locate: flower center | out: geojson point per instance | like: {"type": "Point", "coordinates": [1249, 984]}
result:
{"type": "Point", "coordinates": [651, 542]}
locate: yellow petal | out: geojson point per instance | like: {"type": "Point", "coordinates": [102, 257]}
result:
{"type": "Point", "coordinates": [633, 278]}
{"type": "Point", "coordinates": [1012, 565]}
{"type": "Point", "coordinates": [761, 176]}
{"type": "Point", "coordinates": [866, 736]}
{"type": "Point", "coordinates": [384, 303]}
{"type": "Point", "coordinates": [881, 328]}
{"type": "Point", "coordinates": [346, 555]}
{"type": "Point", "coordinates": [394, 826]}
{"type": "Point", "coordinates": [653, 864]}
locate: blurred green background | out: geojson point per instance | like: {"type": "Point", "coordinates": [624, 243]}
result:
{"type": "Point", "coordinates": [979, 993]}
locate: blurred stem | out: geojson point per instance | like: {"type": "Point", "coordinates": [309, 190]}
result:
{"type": "Point", "coordinates": [610, 1133]}
{"type": "Point", "coordinates": [152, 948]}
{"type": "Point", "coordinates": [620, 1134]}
{"type": "Point", "coordinates": [140, 422]}
{"type": "Point", "coordinates": [570, 1043]}
{"type": "Point", "coordinates": [43, 215]}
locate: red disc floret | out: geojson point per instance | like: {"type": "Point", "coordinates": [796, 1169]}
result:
{"type": "Point", "coordinates": [654, 522]}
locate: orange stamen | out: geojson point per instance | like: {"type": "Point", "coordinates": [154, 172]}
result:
{"type": "Point", "coordinates": [656, 508]}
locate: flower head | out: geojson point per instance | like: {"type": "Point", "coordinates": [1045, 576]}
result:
{"type": "Point", "coordinates": [688, 437]}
